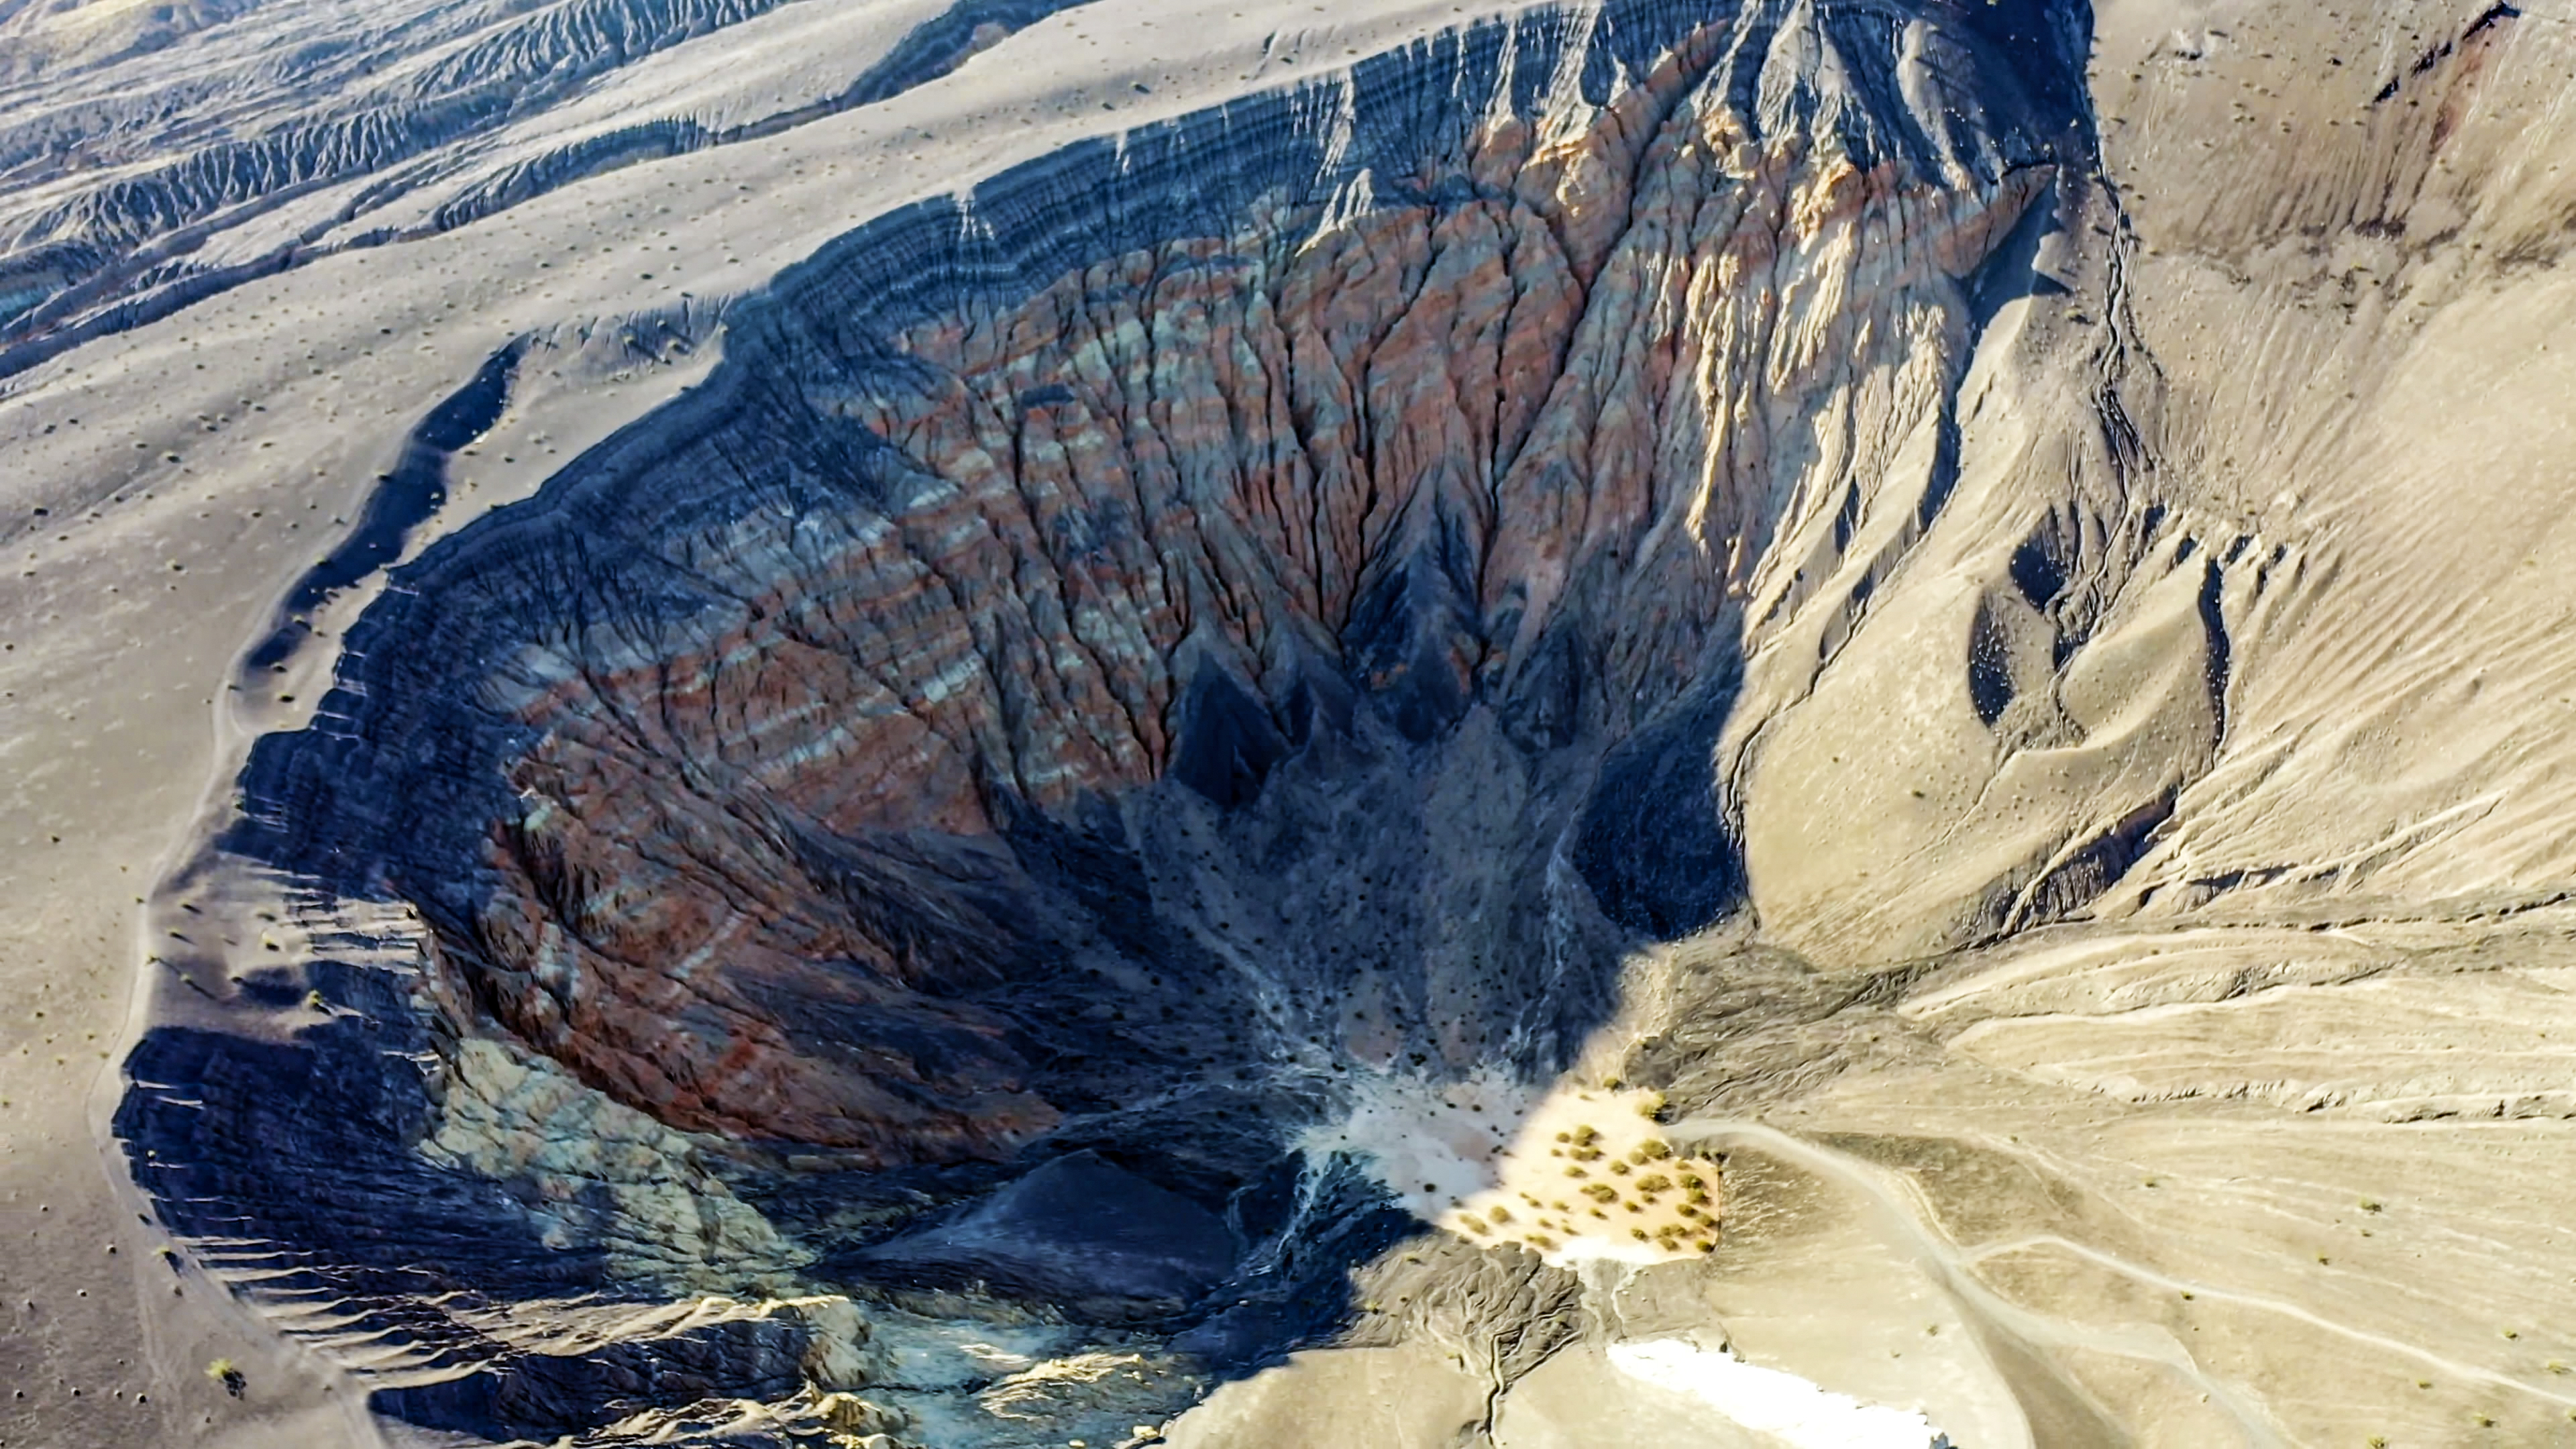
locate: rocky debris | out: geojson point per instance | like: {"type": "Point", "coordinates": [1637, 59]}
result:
{"type": "Point", "coordinates": [850, 1414]}
{"type": "Point", "coordinates": [1097, 1387]}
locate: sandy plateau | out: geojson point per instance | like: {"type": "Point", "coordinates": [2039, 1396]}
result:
{"type": "Point", "coordinates": [1854, 734]}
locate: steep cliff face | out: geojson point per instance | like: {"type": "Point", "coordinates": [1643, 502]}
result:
{"type": "Point", "coordinates": [1276, 599]}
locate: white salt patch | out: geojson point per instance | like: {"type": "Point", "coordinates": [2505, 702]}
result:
{"type": "Point", "coordinates": [1769, 1401]}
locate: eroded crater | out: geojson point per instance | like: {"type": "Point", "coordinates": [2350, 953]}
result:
{"type": "Point", "coordinates": [1125, 684]}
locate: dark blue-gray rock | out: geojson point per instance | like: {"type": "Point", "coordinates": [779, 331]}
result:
{"type": "Point", "coordinates": [1078, 1235]}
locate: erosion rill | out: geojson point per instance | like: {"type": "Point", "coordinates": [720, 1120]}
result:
{"type": "Point", "coordinates": [1266, 733]}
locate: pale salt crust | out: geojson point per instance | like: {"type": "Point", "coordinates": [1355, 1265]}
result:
{"type": "Point", "coordinates": [1768, 1401]}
